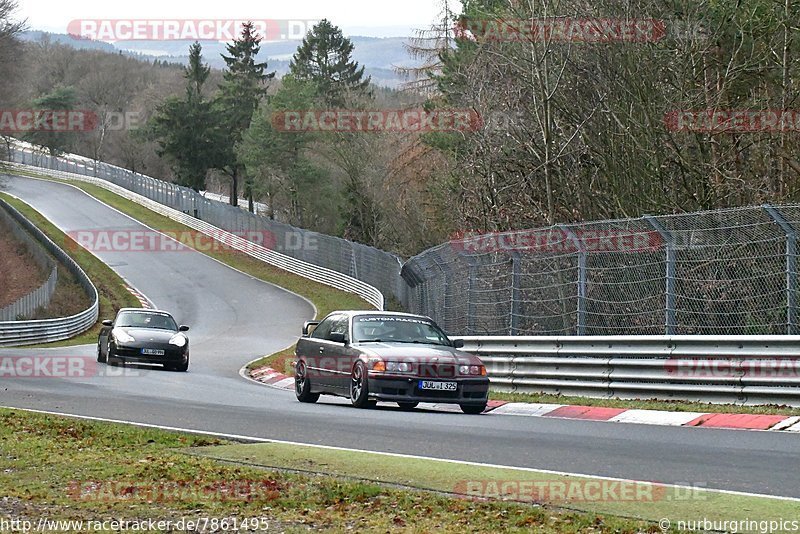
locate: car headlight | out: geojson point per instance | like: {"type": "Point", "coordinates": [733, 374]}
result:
{"type": "Point", "coordinates": [122, 336]}
{"type": "Point", "coordinates": [178, 340]}
{"type": "Point", "coordinates": [398, 367]}
{"type": "Point", "coordinates": [472, 370]}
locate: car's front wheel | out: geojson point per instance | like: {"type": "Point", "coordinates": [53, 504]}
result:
{"type": "Point", "coordinates": [359, 387]}
{"type": "Point", "coordinates": [302, 384]}
{"type": "Point", "coordinates": [110, 358]}
{"type": "Point", "coordinates": [100, 357]}
{"type": "Point", "coordinates": [179, 367]}
{"type": "Point", "coordinates": [472, 409]}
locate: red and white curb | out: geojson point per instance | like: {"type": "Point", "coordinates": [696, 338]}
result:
{"type": "Point", "coordinates": [784, 423]}
{"type": "Point", "coordinates": [143, 300]}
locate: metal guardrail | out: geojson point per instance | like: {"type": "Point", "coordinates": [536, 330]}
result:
{"type": "Point", "coordinates": [307, 270]}
{"type": "Point", "coordinates": [728, 369]}
{"type": "Point", "coordinates": [39, 297]}
{"type": "Point", "coordinates": [14, 333]}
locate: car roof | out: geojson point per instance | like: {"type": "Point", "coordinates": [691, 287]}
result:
{"type": "Point", "coordinates": [145, 310]}
{"type": "Point", "coordinates": [353, 313]}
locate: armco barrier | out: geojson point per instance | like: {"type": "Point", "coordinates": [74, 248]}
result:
{"type": "Point", "coordinates": [282, 261]}
{"type": "Point", "coordinates": [39, 297]}
{"type": "Point", "coordinates": [729, 369]}
{"type": "Point", "coordinates": [14, 333]}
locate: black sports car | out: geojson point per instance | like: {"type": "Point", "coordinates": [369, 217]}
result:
{"type": "Point", "coordinates": [144, 336]}
{"type": "Point", "coordinates": [387, 356]}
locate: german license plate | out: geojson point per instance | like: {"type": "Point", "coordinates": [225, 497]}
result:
{"type": "Point", "coordinates": [439, 386]}
{"type": "Point", "coordinates": [152, 352]}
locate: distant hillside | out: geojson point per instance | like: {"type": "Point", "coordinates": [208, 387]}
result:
{"type": "Point", "coordinates": [378, 55]}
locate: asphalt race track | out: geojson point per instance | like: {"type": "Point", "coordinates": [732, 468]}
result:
{"type": "Point", "coordinates": [235, 319]}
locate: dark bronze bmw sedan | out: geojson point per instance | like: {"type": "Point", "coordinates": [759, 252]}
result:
{"type": "Point", "coordinates": [144, 336]}
{"type": "Point", "coordinates": [387, 356]}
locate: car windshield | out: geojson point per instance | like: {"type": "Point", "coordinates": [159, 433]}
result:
{"type": "Point", "coordinates": [137, 319]}
{"type": "Point", "coordinates": [397, 329]}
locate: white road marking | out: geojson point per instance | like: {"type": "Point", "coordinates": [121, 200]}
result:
{"type": "Point", "coordinates": [255, 439]}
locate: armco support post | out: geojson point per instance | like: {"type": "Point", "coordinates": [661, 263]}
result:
{"type": "Point", "coordinates": [791, 267]}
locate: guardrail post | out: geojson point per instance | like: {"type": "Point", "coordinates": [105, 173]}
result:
{"type": "Point", "coordinates": [581, 312]}
{"type": "Point", "coordinates": [516, 292]}
{"type": "Point", "coordinates": [670, 320]}
{"type": "Point", "coordinates": [791, 267]}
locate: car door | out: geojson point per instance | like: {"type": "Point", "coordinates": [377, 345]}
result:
{"type": "Point", "coordinates": [338, 353]}
{"type": "Point", "coordinates": [317, 353]}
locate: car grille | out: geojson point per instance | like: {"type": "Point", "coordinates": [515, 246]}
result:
{"type": "Point", "coordinates": [437, 370]}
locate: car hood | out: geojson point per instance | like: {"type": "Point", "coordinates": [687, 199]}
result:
{"type": "Point", "coordinates": [144, 335]}
{"type": "Point", "coordinates": [417, 353]}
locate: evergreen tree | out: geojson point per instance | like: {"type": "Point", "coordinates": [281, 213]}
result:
{"type": "Point", "coordinates": [324, 58]}
{"type": "Point", "coordinates": [54, 140]}
{"type": "Point", "coordinates": [244, 85]}
{"type": "Point", "coordinates": [187, 129]}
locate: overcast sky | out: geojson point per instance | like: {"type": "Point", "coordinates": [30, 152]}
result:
{"type": "Point", "coordinates": [355, 17]}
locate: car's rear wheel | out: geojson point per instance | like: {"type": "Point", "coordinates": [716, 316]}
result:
{"type": "Point", "coordinates": [359, 387]}
{"type": "Point", "coordinates": [473, 409]}
{"type": "Point", "coordinates": [407, 405]}
{"type": "Point", "coordinates": [302, 384]}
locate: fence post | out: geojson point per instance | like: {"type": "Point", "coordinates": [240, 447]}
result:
{"type": "Point", "coordinates": [581, 320]}
{"type": "Point", "coordinates": [670, 274]}
{"type": "Point", "coordinates": [516, 292]}
{"type": "Point", "coordinates": [791, 267]}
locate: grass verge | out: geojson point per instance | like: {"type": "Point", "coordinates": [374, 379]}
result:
{"type": "Point", "coordinates": [643, 500]}
{"type": "Point", "coordinates": [110, 287]}
{"type": "Point", "coordinates": [69, 469]}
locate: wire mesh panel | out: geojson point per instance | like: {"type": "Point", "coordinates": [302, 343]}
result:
{"type": "Point", "coordinates": [720, 272]}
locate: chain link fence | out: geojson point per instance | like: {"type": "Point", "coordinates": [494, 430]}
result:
{"type": "Point", "coordinates": [713, 273]}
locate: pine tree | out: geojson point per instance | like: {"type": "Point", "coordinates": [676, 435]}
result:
{"type": "Point", "coordinates": [243, 86]}
{"type": "Point", "coordinates": [428, 46]}
{"type": "Point", "coordinates": [325, 59]}
{"type": "Point", "coordinates": [187, 129]}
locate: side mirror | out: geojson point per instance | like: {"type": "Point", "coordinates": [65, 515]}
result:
{"type": "Point", "coordinates": [337, 337]}
{"type": "Point", "coordinates": [458, 343]}
{"type": "Point", "coordinates": [309, 327]}
{"type": "Point", "coordinates": [108, 322]}
{"type": "Point", "coordinates": [183, 328]}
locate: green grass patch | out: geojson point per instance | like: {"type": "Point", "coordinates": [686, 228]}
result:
{"type": "Point", "coordinates": [65, 468]}
{"type": "Point", "coordinates": [647, 404]}
{"type": "Point", "coordinates": [110, 287]}
{"type": "Point", "coordinates": [644, 500]}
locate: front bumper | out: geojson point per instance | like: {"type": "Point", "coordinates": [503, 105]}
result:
{"type": "Point", "coordinates": [133, 354]}
{"type": "Point", "coordinates": [469, 391]}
